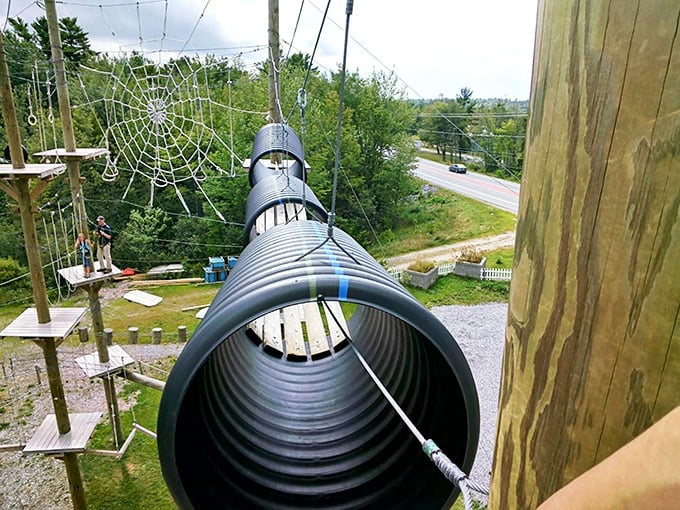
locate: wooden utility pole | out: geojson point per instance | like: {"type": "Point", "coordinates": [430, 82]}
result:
{"type": "Point", "coordinates": [592, 353]}
{"type": "Point", "coordinates": [22, 193]}
{"type": "Point", "coordinates": [73, 166]}
{"type": "Point", "coordinates": [274, 62]}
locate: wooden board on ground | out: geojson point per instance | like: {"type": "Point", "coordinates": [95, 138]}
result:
{"type": "Point", "coordinates": [201, 313]}
{"type": "Point", "coordinates": [142, 298]}
{"type": "Point", "coordinates": [48, 440]}
{"type": "Point", "coordinates": [167, 270]}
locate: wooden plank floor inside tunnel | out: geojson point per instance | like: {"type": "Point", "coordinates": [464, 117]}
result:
{"type": "Point", "coordinates": [301, 332]}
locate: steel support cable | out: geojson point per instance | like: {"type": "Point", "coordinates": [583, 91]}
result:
{"type": "Point", "coordinates": [447, 467]}
{"type": "Point", "coordinates": [316, 45]}
{"type": "Point", "coordinates": [331, 215]}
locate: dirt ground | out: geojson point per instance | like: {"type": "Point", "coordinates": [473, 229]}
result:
{"type": "Point", "coordinates": [449, 253]}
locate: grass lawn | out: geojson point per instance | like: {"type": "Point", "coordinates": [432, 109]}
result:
{"type": "Point", "coordinates": [442, 218]}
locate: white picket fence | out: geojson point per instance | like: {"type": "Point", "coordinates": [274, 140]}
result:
{"type": "Point", "coordinates": [496, 274]}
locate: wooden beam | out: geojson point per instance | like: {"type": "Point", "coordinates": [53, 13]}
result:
{"type": "Point", "coordinates": [592, 352]}
{"type": "Point", "coordinates": [273, 340]}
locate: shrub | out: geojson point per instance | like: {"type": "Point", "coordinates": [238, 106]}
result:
{"type": "Point", "coordinates": [11, 271]}
{"type": "Point", "coordinates": [421, 266]}
{"type": "Point", "coordinates": [471, 254]}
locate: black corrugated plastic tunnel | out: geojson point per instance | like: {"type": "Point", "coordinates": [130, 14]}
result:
{"type": "Point", "coordinates": [240, 428]}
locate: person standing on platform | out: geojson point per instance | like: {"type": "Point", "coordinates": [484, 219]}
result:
{"type": "Point", "coordinates": [85, 249]}
{"type": "Point", "coordinates": [104, 234]}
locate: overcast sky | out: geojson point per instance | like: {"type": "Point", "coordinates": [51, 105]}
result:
{"type": "Point", "coordinates": [434, 47]}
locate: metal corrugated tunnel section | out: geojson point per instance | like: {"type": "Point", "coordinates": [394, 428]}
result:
{"type": "Point", "coordinates": [247, 422]}
{"type": "Point", "coordinates": [277, 140]}
{"type": "Point", "coordinates": [284, 190]}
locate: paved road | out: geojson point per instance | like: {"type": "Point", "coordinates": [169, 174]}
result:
{"type": "Point", "coordinates": [491, 190]}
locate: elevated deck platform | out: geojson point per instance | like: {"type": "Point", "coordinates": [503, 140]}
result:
{"type": "Point", "coordinates": [63, 322]}
{"type": "Point", "coordinates": [47, 439]}
{"type": "Point", "coordinates": [32, 171]}
{"type": "Point", "coordinates": [75, 275]}
{"type": "Point", "coordinates": [118, 360]}
{"type": "Point", "coordinates": [77, 155]}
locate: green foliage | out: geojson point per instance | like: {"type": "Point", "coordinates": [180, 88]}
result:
{"type": "Point", "coordinates": [113, 484]}
{"type": "Point", "coordinates": [439, 218]}
{"type": "Point", "coordinates": [500, 259]}
{"type": "Point", "coordinates": [20, 282]}
{"type": "Point", "coordinates": [140, 237]}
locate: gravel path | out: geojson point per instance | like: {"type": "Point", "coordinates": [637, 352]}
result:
{"type": "Point", "coordinates": [480, 332]}
{"type": "Point", "coordinates": [38, 482]}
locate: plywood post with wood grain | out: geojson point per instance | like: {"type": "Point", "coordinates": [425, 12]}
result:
{"type": "Point", "coordinates": [592, 352]}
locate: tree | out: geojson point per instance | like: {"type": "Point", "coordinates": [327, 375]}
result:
{"type": "Point", "coordinates": [74, 40]}
{"type": "Point", "coordinates": [143, 240]}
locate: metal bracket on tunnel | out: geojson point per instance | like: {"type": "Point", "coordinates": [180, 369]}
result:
{"type": "Point", "coordinates": [329, 238]}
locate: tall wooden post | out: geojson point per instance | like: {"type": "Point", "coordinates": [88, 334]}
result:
{"type": "Point", "coordinates": [274, 62]}
{"type": "Point", "coordinates": [73, 166]}
{"type": "Point", "coordinates": [22, 193]}
{"type": "Point", "coordinates": [592, 352]}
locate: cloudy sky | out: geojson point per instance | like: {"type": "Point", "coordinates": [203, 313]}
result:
{"type": "Point", "coordinates": [434, 47]}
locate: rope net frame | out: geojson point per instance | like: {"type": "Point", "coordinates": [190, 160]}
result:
{"type": "Point", "coordinates": [160, 124]}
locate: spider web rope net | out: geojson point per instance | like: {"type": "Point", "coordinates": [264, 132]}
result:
{"type": "Point", "coordinates": [161, 123]}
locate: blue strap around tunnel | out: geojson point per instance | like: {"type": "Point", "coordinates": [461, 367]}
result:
{"type": "Point", "coordinates": [343, 281]}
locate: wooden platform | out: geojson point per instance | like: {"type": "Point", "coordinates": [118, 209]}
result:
{"type": "Point", "coordinates": [280, 214]}
{"type": "Point", "coordinates": [297, 332]}
{"type": "Point", "coordinates": [77, 155]}
{"type": "Point", "coordinates": [75, 275]}
{"type": "Point", "coordinates": [63, 322]}
{"type": "Point", "coordinates": [47, 439]}
{"type": "Point", "coordinates": [118, 360]}
{"type": "Point", "coordinates": [32, 171]}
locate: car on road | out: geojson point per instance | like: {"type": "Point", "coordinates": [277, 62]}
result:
{"type": "Point", "coordinates": [458, 168]}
